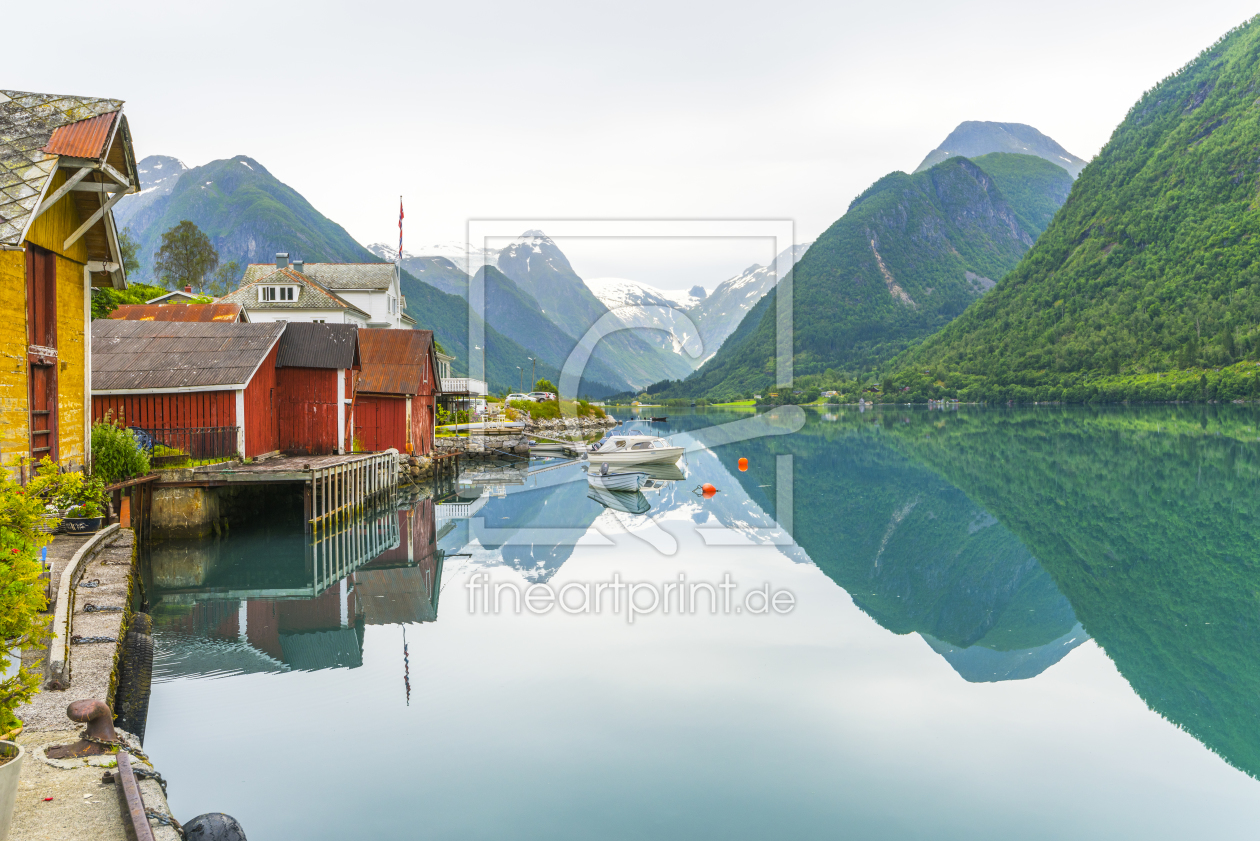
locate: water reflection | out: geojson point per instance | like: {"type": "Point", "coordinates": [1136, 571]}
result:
{"type": "Point", "coordinates": [271, 598]}
{"type": "Point", "coordinates": [986, 598]}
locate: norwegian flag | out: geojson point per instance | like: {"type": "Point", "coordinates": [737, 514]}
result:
{"type": "Point", "coordinates": [400, 218]}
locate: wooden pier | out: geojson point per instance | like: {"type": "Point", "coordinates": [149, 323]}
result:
{"type": "Point", "coordinates": [336, 486]}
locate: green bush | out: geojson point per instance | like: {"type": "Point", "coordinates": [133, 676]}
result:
{"type": "Point", "coordinates": [22, 625]}
{"type": "Point", "coordinates": [116, 455]}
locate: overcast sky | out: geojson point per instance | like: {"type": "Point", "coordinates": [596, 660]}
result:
{"type": "Point", "coordinates": [770, 110]}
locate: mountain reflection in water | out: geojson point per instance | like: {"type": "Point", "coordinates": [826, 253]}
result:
{"type": "Point", "coordinates": [990, 605]}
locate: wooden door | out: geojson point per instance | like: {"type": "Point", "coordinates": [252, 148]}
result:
{"type": "Point", "coordinates": [41, 356]}
{"type": "Point", "coordinates": [366, 425]}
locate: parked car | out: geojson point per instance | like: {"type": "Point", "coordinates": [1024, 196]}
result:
{"type": "Point", "coordinates": [541, 396]}
{"type": "Point", "coordinates": [512, 397]}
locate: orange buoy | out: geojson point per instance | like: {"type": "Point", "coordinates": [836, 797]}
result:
{"type": "Point", "coordinates": [743, 465]}
{"type": "Point", "coordinates": [708, 490]}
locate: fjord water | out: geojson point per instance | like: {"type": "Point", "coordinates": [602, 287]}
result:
{"type": "Point", "coordinates": [1032, 623]}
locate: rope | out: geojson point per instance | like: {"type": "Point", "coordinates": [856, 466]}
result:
{"type": "Point", "coordinates": [88, 607]}
{"type": "Point", "coordinates": [88, 585]}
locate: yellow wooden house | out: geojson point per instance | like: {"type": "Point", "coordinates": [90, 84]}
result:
{"type": "Point", "coordinates": [65, 161]}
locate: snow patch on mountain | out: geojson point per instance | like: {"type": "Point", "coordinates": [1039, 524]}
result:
{"type": "Point", "coordinates": [468, 260]}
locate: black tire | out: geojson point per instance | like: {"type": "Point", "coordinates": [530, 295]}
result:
{"type": "Point", "coordinates": [135, 680]}
{"type": "Point", "coordinates": [141, 623]}
{"type": "Point", "coordinates": [213, 826]}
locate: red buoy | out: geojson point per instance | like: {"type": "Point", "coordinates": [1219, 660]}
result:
{"type": "Point", "coordinates": [743, 465]}
{"type": "Point", "coordinates": [708, 490]}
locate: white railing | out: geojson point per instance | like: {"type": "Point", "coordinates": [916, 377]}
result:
{"type": "Point", "coordinates": [464, 384]}
{"type": "Point", "coordinates": [458, 510]}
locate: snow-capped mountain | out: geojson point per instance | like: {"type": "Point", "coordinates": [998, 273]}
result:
{"type": "Point", "coordinates": [718, 314]}
{"type": "Point", "coordinates": [714, 315]}
{"type": "Point", "coordinates": [465, 259]}
{"type": "Point", "coordinates": [642, 306]}
{"type": "Point", "coordinates": [158, 176]}
{"type": "Point", "coordinates": [617, 292]}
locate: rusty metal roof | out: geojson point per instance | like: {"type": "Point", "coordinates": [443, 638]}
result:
{"type": "Point", "coordinates": [178, 355]}
{"type": "Point", "coordinates": [307, 345]}
{"type": "Point", "coordinates": [229, 313]}
{"type": "Point", "coordinates": [82, 139]}
{"type": "Point", "coordinates": [393, 361]}
{"type": "Point", "coordinates": [28, 122]}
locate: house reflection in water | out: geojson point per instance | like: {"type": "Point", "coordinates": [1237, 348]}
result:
{"type": "Point", "coordinates": [270, 598]}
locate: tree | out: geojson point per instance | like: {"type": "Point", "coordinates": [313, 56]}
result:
{"type": "Point", "coordinates": [129, 248]}
{"type": "Point", "coordinates": [186, 257]}
{"type": "Point", "coordinates": [225, 278]}
{"type": "Point", "coordinates": [545, 385]}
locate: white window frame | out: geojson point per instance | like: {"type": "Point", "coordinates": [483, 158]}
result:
{"type": "Point", "coordinates": [277, 294]}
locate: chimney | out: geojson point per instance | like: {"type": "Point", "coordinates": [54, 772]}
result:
{"type": "Point", "coordinates": [298, 265]}
{"type": "Point", "coordinates": [188, 289]}
{"type": "Point", "coordinates": [282, 259]}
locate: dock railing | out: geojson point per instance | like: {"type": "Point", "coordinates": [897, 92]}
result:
{"type": "Point", "coordinates": [337, 492]}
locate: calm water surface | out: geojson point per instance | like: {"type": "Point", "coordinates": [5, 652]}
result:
{"type": "Point", "coordinates": [1006, 624]}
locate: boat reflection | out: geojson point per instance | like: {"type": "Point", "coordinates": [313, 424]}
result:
{"type": "Point", "coordinates": [627, 502]}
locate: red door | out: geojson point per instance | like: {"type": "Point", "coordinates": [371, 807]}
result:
{"type": "Point", "coordinates": [367, 425]}
{"type": "Point", "coordinates": [41, 356]}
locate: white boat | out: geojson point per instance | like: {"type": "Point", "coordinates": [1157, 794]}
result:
{"type": "Point", "coordinates": [634, 449]}
{"type": "Point", "coordinates": [615, 481]}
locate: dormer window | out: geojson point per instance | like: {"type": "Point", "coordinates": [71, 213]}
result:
{"type": "Point", "coordinates": [277, 293]}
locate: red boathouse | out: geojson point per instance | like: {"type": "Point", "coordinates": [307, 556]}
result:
{"type": "Point", "coordinates": [395, 404]}
{"type": "Point", "coordinates": [315, 379]}
{"type": "Point", "coordinates": [203, 380]}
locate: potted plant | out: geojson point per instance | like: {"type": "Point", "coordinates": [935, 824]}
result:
{"type": "Point", "coordinates": [78, 499]}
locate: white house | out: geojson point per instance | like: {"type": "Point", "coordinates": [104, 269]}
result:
{"type": "Point", "coordinates": [364, 294]}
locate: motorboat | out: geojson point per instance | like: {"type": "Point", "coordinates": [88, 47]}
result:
{"type": "Point", "coordinates": [615, 480]}
{"type": "Point", "coordinates": [626, 502]}
{"type": "Point", "coordinates": [634, 449]}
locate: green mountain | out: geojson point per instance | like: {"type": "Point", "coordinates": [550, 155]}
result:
{"type": "Point", "coordinates": [247, 212]}
{"type": "Point", "coordinates": [539, 267]}
{"type": "Point", "coordinates": [518, 316]}
{"type": "Point", "coordinates": [974, 138]}
{"type": "Point", "coordinates": [911, 253]}
{"type": "Point", "coordinates": [1149, 268]}
{"type": "Point", "coordinates": [249, 215]}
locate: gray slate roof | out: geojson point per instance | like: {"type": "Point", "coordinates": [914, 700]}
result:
{"type": "Point", "coordinates": [373, 277]}
{"type": "Point", "coordinates": [27, 121]}
{"type": "Point", "coordinates": [167, 355]}
{"type": "Point", "coordinates": [307, 345]}
{"type": "Point", "coordinates": [311, 295]}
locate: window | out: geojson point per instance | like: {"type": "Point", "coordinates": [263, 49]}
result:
{"type": "Point", "coordinates": [319, 320]}
{"type": "Point", "coordinates": [277, 293]}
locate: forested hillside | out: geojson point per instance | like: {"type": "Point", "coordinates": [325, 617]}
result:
{"type": "Point", "coordinates": [911, 253]}
{"type": "Point", "coordinates": [1146, 281]}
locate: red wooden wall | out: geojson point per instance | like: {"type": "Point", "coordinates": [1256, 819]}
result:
{"type": "Point", "coordinates": [261, 426]}
{"type": "Point", "coordinates": [308, 404]}
{"type": "Point", "coordinates": [380, 422]}
{"type": "Point", "coordinates": [189, 410]}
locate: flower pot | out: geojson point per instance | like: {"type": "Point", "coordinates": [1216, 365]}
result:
{"type": "Point", "coordinates": [81, 525]}
{"type": "Point", "coordinates": [9, 773]}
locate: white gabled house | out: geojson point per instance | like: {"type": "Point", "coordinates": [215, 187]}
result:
{"type": "Point", "coordinates": [364, 294]}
